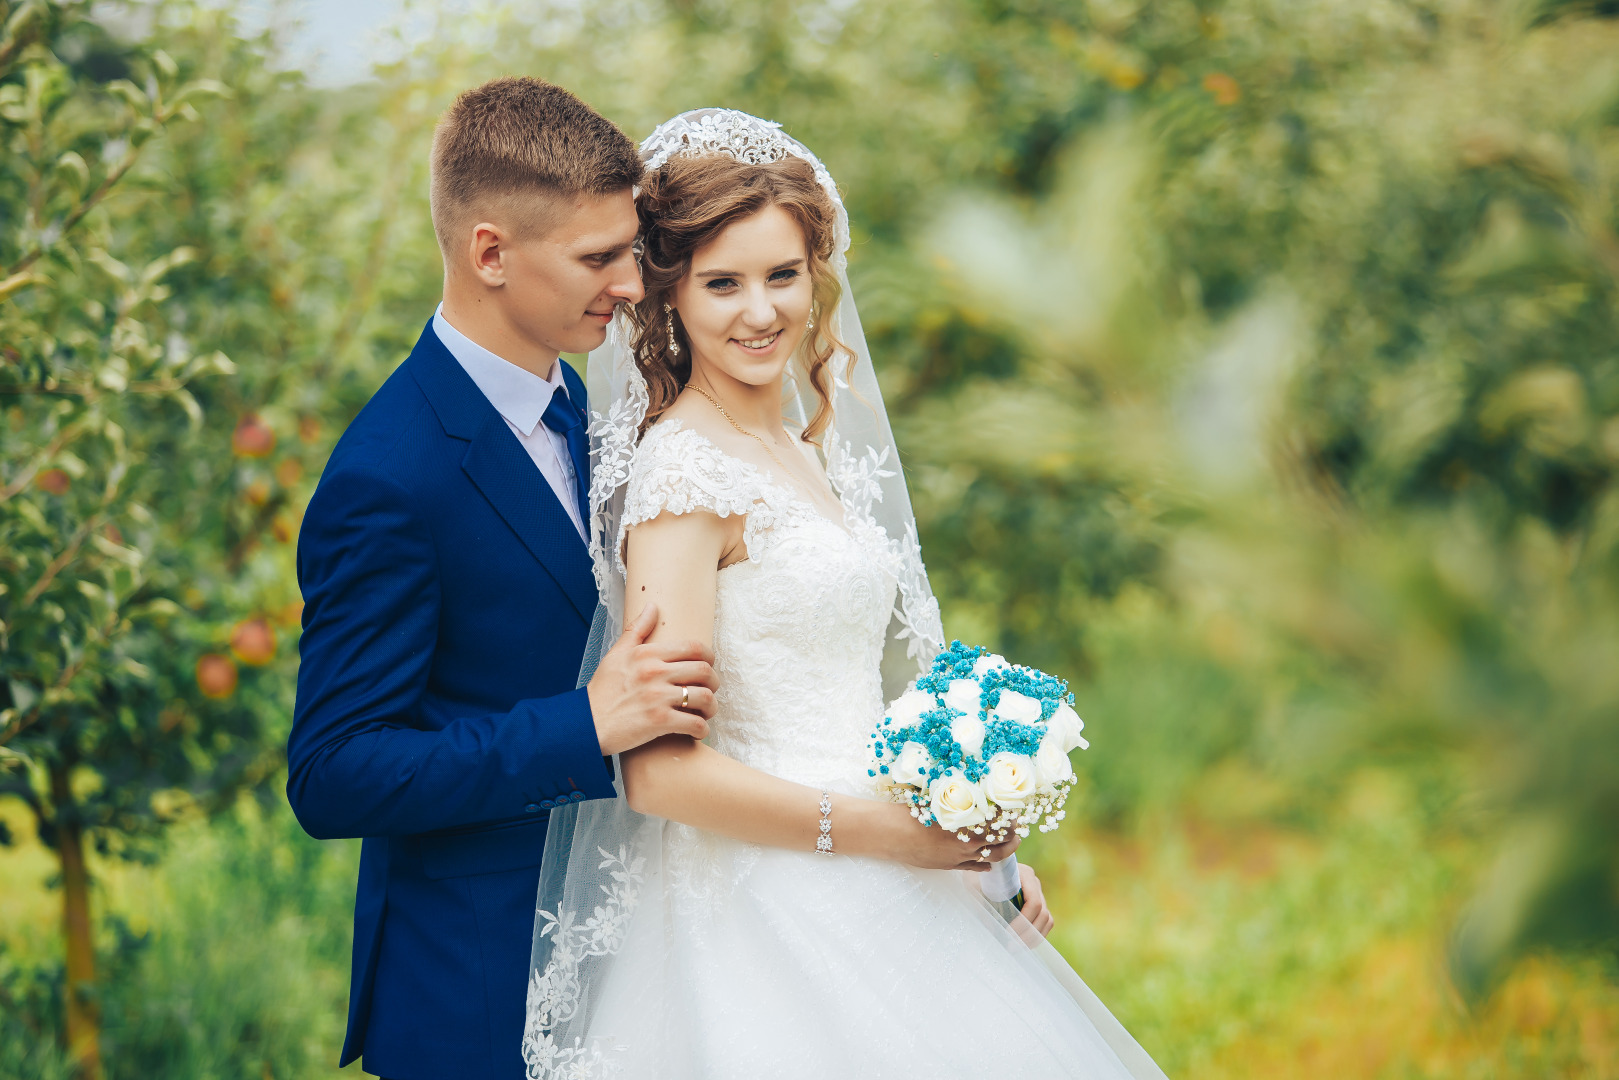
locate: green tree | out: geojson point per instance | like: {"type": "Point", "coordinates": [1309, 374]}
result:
{"type": "Point", "coordinates": [285, 206]}
{"type": "Point", "coordinates": [111, 724]}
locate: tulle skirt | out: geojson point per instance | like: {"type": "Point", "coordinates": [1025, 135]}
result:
{"type": "Point", "coordinates": [741, 962]}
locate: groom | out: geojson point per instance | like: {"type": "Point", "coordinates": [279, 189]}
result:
{"type": "Point", "coordinates": [448, 593]}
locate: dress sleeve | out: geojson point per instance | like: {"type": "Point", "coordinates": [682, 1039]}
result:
{"type": "Point", "coordinates": [678, 471]}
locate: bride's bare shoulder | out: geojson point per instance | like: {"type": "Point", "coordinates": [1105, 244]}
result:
{"type": "Point", "coordinates": [692, 413]}
{"type": "Point", "coordinates": [685, 410]}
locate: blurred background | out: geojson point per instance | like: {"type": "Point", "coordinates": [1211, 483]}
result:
{"type": "Point", "coordinates": [1256, 364]}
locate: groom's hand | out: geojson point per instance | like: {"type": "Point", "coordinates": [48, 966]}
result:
{"type": "Point", "coordinates": [636, 693]}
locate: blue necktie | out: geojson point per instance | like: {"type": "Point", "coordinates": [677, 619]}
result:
{"type": "Point", "coordinates": [561, 417]}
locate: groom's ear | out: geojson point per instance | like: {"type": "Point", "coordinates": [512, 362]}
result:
{"type": "Point", "coordinates": [485, 254]}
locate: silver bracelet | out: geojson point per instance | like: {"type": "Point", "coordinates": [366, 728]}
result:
{"type": "Point", "coordinates": [823, 843]}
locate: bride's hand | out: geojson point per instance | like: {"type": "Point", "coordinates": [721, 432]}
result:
{"type": "Point", "coordinates": [1034, 900]}
{"type": "Point", "coordinates": [975, 853]}
{"type": "Point", "coordinates": [900, 839]}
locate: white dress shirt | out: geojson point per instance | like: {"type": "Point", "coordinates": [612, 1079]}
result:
{"type": "Point", "coordinates": [521, 397]}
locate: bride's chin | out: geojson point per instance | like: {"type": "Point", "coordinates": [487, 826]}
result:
{"type": "Point", "coordinates": [751, 371]}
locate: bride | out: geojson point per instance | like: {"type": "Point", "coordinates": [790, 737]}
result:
{"type": "Point", "coordinates": [746, 484]}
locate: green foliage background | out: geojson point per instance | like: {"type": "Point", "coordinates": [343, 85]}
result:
{"type": "Point", "coordinates": [1255, 366]}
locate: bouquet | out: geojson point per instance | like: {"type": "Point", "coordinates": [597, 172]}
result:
{"type": "Point", "coordinates": [980, 746]}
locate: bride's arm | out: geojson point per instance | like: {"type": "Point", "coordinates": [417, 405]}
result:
{"type": "Point", "coordinates": [673, 561]}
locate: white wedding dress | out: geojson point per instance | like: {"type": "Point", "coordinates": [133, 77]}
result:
{"type": "Point", "coordinates": [736, 962]}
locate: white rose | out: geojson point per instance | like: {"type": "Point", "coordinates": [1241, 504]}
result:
{"type": "Point", "coordinates": [908, 708]}
{"type": "Point", "coordinates": [957, 802]}
{"type": "Point", "coordinates": [1051, 764]}
{"type": "Point", "coordinates": [912, 765]}
{"type": "Point", "coordinates": [968, 731]}
{"type": "Point", "coordinates": [1009, 779]}
{"type": "Point", "coordinates": [988, 663]}
{"type": "Point", "coordinates": [1065, 722]}
{"type": "Point", "coordinates": [1019, 707]}
{"type": "Point", "coordinates": [963, 695]}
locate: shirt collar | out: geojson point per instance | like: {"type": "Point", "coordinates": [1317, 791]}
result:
{"type": "Point", "coordinates": [517, 394]}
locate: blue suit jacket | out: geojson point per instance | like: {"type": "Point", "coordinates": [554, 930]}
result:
{"type": "Point", "coordinates": [447, 598]}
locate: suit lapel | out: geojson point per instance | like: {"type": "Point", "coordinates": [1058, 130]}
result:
{"type": "Point", "coordinates": [502, 470]}
{"type": "Point", "coordinates": [506, 475]}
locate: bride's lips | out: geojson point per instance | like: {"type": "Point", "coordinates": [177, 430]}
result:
{"type": "Point", "coordinates": [768, 347]}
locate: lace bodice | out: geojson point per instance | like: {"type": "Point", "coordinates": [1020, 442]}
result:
{"type": "Point", "coordinates": [799, 624]}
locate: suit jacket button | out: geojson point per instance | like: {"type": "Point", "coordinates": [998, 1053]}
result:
{"type": "Point", "coordinates": [577, 796]}
{"type": "Point", "coordinates": [532, 808]}
{"type": "Point", "coordinates": [547, 804]}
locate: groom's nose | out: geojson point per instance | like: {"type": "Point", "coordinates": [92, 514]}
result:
{"type": "Point", "coordinates": [626, 286]}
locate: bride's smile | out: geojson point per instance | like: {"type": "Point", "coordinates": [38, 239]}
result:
{"type": "Point", "coordinates": [759, 345]}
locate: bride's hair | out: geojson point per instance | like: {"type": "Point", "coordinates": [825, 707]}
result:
{"type": "Point", "coordinates": [688, 202]}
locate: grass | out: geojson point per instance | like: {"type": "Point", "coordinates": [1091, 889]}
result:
{"type": "Point", "coordinates": [1242, 950]}
{"type": "Point", "coordinates": [229, 958]}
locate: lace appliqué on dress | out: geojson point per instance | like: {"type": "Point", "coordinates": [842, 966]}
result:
{"type": "Point", "coordinates": [677, 470]}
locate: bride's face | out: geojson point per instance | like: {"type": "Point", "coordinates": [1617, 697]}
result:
{"type": "Point", "coordinates": [746, 300]}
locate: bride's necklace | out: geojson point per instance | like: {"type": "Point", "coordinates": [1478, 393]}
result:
{"type": "Point", "coordinates": [732, 420]}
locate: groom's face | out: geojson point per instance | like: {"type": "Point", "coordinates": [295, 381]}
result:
{"type": "Point", "coordinates": [561, 286]}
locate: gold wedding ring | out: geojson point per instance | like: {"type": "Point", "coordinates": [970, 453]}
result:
{"type": "Point", "coordinates": [685, 696]}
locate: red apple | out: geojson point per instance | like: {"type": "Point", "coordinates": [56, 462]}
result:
{"type": "Point", "coordinates": [216, 676]}
{"type": "Point", "coordinates": [253, 642]}
{"type": "Point", "coordinates": [252, 438]}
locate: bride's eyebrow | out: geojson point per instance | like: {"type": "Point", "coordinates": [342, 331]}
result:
{"type": "Point", "coordinates": [737, 273]}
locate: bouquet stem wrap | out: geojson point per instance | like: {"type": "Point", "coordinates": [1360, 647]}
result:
{"type": "Point", "coordinates": [1001, 881]}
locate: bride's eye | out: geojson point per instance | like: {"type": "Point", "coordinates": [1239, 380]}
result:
{"type": "Point", "coordinates": [782, 277]}
{"type": "Point", "coordinates": [720, 284]}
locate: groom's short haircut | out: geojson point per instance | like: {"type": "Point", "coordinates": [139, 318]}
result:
{"type": "Point", "coordinates": [512, 150]}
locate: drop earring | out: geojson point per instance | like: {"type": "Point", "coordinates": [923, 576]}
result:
{"type": "Point", "coordinates": [674, 346]}
{"type": "Point", "coordinates": [809, 323]}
